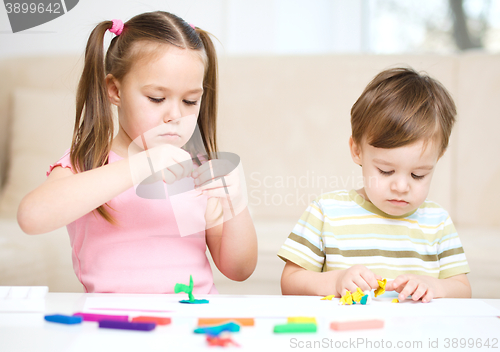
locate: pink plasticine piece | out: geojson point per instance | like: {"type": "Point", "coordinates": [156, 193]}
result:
{"type": "Point", "coordinates": [357, 325]}
{"type": "Point", "coordinates": [99, 317]}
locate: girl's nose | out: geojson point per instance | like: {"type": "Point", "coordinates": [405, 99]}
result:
{"type": "Point", "coordinates": [172, 113]}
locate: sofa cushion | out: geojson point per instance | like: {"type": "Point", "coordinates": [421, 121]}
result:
{"type": "Point", "coordinates": [42, 129]}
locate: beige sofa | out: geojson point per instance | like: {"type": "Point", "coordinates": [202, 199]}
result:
{"type": "Point", "coordinates": [288, 119]}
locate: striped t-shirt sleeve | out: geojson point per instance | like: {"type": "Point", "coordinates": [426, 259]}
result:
{"type": "Point", "coordinates": [451, 255]}
{"type": "Point", "coordinates": [304, 246]}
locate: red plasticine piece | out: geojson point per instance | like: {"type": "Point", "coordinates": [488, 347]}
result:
{"type": "Point", "coordinates": [357, 325]}
{"type": "Point", "coordinates": [221, 341]}
{"type": "Point", "coordinates": [157, 320]}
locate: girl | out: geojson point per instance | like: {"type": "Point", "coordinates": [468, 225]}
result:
{"type": "Point", "coordinates": [161, 74]}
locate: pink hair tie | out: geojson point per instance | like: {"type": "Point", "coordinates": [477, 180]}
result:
{"type": "Point", "coordinates": [192, 25]}
{"type": "Point", "coordinates": [117, 27]}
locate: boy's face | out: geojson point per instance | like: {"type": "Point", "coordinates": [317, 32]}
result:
{"type": "Point", "coordinates": [396, 180]}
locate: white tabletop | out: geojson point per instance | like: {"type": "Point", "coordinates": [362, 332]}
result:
{"type": "Point", "coordinates": [441, 325]}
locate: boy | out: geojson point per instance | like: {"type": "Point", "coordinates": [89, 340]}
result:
{"type": "Point", "coordinates": [401, 125]}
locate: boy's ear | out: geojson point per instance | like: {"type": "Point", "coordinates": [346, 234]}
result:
{"type": "Point", "coordinates": [113, 88]}
{"type": "Point", "coordinates": [355, 151]}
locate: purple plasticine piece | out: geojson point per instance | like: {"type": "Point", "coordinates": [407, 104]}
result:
{"type": "Point", "coordinates": [113, 324]}
{"type": "Point", "coordinates": [99, 317]}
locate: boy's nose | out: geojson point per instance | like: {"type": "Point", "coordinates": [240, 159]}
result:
{"type": "Point", "coordinates": [400, 185]}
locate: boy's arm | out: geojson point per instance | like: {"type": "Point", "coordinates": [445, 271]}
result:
{"type": "Point", "coordinates": [426, 287]}
{"type": "Point", "coordinates": [296, 280]}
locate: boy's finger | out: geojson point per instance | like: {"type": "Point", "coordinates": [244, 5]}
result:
{"type": "Point", "coordinates": [419, 292]}
{"type": "Point", "coordinates": [428, 296]}
{"type": "Point", "coordinates": [361, 283]}
{"type": "Point", "coordinates": [407, 291]}
{"type": "Point", "coordinates": [398, 281]}
{"type": "Point", "coordinates": [370, 279]}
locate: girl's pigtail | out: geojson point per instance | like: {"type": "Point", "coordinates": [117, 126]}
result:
{"type": "Point", "coordinates": [93, 132]}
{"type": "Point", "coordinates": [208, 109]}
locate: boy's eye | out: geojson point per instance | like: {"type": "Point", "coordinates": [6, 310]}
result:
{"type": "Point", "coordinates": [190, 102]}
{"type": "Point", "coordinates": [417, 177]}
{"type": "Point", "coordinates": [385, 173]}
{"type": "Point", "coordinates": [156, 100]}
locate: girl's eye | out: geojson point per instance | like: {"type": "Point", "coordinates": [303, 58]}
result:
{"type": "Point", "coordinates": [417, 177]}
{"type": "Point", "coordinates": [385, 173]}
{"type": "Point", "coordinates": [156, 100]}
{"type": "Point", "coordinates": [190, 102]}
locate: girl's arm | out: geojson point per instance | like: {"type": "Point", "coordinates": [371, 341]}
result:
{"type": "Point", "coordinates": [65, 197]}
{"type": "Point", "coordinates": [232, 243]}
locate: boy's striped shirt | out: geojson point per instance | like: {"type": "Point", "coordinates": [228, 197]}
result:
{"type": "Point", "coordinates": [340, 229]}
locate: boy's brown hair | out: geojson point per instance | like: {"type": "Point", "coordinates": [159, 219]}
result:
{"type": "Point", "coordinates": [399, 107]}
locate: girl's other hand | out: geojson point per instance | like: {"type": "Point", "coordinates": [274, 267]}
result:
{"type": "Point", "coordinates": [221, 178]}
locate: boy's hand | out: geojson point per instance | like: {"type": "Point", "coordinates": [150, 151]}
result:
{"type": "Point", "coordinates": [354, 277]}
{"type": "Point", "coordinates": [418, 286]}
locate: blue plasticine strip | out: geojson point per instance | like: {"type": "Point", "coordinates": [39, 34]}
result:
{"type": "Point", "coordinates": [218, 329]}
{"type": "Point", "coordinates": [125, 325]}
{"type": "Point", "coordinates": [63, 319]}
{"type": "Point", "coordinates": [196, 301]}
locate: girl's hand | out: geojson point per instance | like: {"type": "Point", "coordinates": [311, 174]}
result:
{"type": "Point", "coordinates": [166, 161]}
{"type": "Point", "coordinates": [354, 277]}
{"type": "Point", "coordinates": [220, 178]}
{"type": "Point", "coordinates": [418, 286]}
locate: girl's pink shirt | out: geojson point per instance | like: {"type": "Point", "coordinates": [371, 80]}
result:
{"type": "Point", "coordinates": [145, 252]}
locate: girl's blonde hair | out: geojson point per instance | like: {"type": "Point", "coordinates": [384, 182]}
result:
{"type": "Point", "coordinates": [93, 132]}
{"type": "Point", "coordinates": [399, 107]}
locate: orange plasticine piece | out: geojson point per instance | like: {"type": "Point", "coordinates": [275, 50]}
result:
{"type": "Point", "coordinates": [219, 321]}
{"type": "Point", "coordinates": [357, 325]}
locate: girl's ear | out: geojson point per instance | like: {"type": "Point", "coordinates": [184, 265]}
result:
{"type": "Point", "coordinates": [113, 88]}
{"type": "Point", "coordinates": [355, 151]}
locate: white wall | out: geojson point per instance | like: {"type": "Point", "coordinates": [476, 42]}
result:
{"type": "Point", "coordinates": [242, 27]}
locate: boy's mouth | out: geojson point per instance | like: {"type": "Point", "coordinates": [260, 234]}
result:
{"type": "Point", "coordinates": [398, 202]}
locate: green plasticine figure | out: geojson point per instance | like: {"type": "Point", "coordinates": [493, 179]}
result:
{"type": "Point", "coordinates": [189, 290]}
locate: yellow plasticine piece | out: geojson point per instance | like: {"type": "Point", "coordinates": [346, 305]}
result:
{"type": "Point", "coordinates": [346, 299]}
{"type": "Point", "coordinates": [302, 320]}
{"type": "Point", "coordinates": [395, 300]}
{"type": "Point", "coordinates": [356, 296]}
{"type": "Point", "coordinates": [381, 287]}
{"type": "Point", "coordinates": [329, 298]}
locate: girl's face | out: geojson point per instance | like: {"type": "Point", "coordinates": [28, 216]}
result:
{"type": "Point", "coordinates": [159, 99]}
{"type": "Point", "coordinates": [396, 180]}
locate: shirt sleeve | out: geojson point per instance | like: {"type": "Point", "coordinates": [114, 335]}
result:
{"type": "Point", "coordinates": [65, 161]}
{"type": "Point", "coordinates": [304, 246]}
{"type": "Point", "coordinates": [451, 255]}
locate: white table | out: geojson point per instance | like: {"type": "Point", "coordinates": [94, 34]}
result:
{"type": "Point", "coordinates": [416, 326]}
